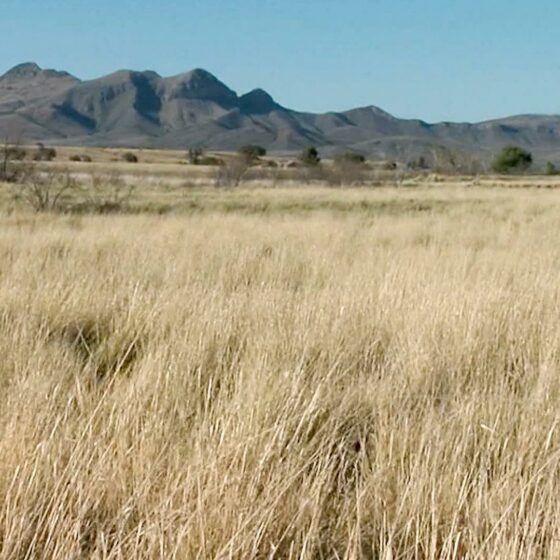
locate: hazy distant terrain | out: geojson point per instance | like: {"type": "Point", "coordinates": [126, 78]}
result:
{"type": "Point", "coordinates": [143, 109]}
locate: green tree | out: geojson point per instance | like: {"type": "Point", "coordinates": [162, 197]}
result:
{"type": "Point", "coordinates": [251, 152]}
{"type": "Point", "coordinates": [512, 159]}
{"type": "Point", "coordinates": [551, 169]}
{"type": "Point", "coordinates": [310, 156]}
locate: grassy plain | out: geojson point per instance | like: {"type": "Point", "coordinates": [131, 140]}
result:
{"type": "Point", "coordinates": [283, 373]}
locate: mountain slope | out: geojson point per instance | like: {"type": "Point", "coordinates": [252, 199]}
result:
{"type": "Point", "coordinates": [143, 109]}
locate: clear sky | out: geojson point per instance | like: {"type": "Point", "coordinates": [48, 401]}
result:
{"type": "Point", "coordinates": [432, 59]}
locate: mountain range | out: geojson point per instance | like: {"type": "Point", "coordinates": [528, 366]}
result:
{"type": "Point", "coordinates": [195, 109]}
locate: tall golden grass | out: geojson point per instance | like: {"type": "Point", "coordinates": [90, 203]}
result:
{"type": "Point", "coordinates": [378, 383]}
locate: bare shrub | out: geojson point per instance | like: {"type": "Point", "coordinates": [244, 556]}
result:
{"type": "Point", "coordinates": [107, 194]}
{"type": "Point", "coordinates": [232, 172]}
{"type": "Point", "coordinates": [15, 153]}
{"type": "Point", "coordinates": [56, 192]}
{"type": "Point", "coordinates": [347, 169]}
{"type": "Point", "coordinates": [11, 157]}
{"type": "Point", "coordinates": [269, 174]}
{"type": "Point", "coordinates": [45, 192]}
{"type": "Point", "coordinates": [307, 174]}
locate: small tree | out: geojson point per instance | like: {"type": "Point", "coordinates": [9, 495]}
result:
{"type": "Point", "coordinates": [512, 159]}
{"type": "Point", "coordinates": [251, 152]}
{"type": "Point", "coordinates": [44, 154]}
{"type": "Point", "coordinates": [310, 157]}
{"type": "Point", "coordinates": [194, 155]}
{"type": "Point", "coordinates": [551, 169]}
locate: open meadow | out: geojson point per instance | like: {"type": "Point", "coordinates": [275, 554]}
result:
{"type": "Point", "coordinates": [291, 373]}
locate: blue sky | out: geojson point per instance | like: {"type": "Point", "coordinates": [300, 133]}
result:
{"type": "Point", "coordinates": [432, 59]}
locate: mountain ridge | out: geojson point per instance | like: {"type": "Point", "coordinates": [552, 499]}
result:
{"type": "Point", "coordinates": [143, 109]}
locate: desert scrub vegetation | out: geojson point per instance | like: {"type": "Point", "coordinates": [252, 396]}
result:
{"type": "Point", "coordinates": [512, 159]}
{"type": "Point", "coordinates": [84, 158]}
{"type": "Point", "coordinates": [62, 193]}
{"type": "Point", "coordinates": [130, 157]}
{"type": "Point", "coordinates": [315, 384]}
{"type": "Point", "coordinates": [44, 153]}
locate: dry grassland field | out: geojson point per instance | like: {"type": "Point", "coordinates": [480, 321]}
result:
{"type": "Point", "coordinates": [290, 373]}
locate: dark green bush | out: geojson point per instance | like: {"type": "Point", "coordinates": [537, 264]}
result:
{"type": "Point", "coordinates": [349, 158]}
{"type": "Point", "coordinates": [512, 159]}
{"type": "Point", "coordinates": [130, 157]}
{"type": "Point", "coordinates": [310, 156]}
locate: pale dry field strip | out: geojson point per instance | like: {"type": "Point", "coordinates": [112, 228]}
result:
{"type": "Point", "coordinates": [284, 374]}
